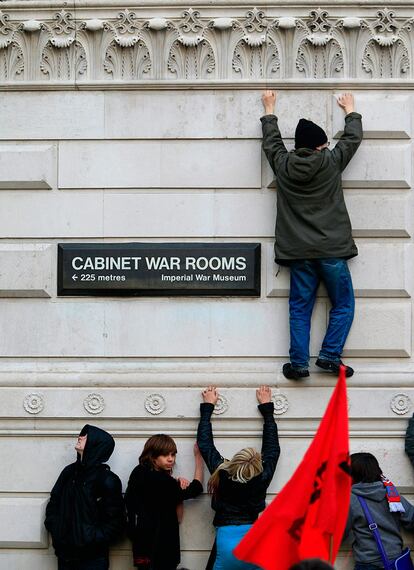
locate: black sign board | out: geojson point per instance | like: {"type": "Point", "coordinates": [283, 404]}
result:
{"type": "Point", "coordinates": [159, 269]}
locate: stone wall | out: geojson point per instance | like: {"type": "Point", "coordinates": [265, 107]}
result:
{"type": "Point", "coordinates": [120, 123]}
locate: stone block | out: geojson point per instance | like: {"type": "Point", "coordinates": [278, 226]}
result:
{"type": "Point", "coordinates": [376, 165]}
{"type": "Point", "coordinates": [165, 164]}
{"type": "Point", "coordinates": [385, 115]}
{"type": "Point", "coordinates": [21, 520]}
{"type": "Point", "coordinates": [388, 277]}
{"type": "Point", "coordinates": [27, 166]}
{"type": "Point", "coordinates": [381, 328]}
{"type": "Point", "coordinates": [367, 213]}
{"type": "Point", "coordinates": [26, 270]}
{"type": "Point", "coordinates": [204, 114]}
{"type": "Point", "coordinates": [152, 214]}
{"type": "Point", "coordinates": [40, 328]}
{"type": "Point", "coordinates": [190, 214]}
{"type": "Point", "coordinates": [51, 115]}
{"type": "Point", "coordinates": [51, 214]}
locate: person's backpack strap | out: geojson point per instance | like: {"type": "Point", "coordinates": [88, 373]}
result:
{"type": "Point", "coordinates": [374, 529]}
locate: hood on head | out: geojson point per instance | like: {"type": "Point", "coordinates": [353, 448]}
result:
{"type": "Point", "coordinates": [373, 491]}
{"type": "Point", "coordinates": [99, 446]}
{"type": "Point", "coordinates": [303, 164]}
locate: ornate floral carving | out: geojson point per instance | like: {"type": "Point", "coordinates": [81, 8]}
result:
{"type": "Point", "coordinates": [221, 406]}
{"type": "Point", "coordinates": [319, 54]}
{"type": "Point", "coordinates": [400, 404]}
{"type": "Point", "coordinates": [155, 404]}
{"type": "Point", "coordinates": [94, 404]}
{"type": "Point", "coordinates": [33, 403]}
{"type": "Point", "coordinates": [281, 403]}
{"type": "Point", "coordinates": [128, 62]}
{"type": "Point", "coordinates": [256, 54]}
{"type": "Point", "coordinates": [195, 62]}
{"type": "Point", "coordinates": [386, 54]}
{"type": "Point", "coordinates": [11, 54]}
{"type": "Point", "coordinates": [127, 56]}
{"type": "Point", "coordinates": [63, 62]}
{"type": "Point", "coordinates": [257, 61]}
{"type": "Point", "coordinates": [320, 61]}
{"type": "Point", "coordinates": [191, 55]}
{"type": "Point", "coordinates": [190, 47]}
{"type": "Point", "coordinates": [63, 57]}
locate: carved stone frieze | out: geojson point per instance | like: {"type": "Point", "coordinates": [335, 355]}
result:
{"type": "Point", "coordinates": [124, 46]}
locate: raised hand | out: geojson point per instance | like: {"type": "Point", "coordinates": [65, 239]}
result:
{"type": "Point", "coordinates": [346, 102]}
{"type": "Point", "coordinates": [264, 394]}
{"type": "Point", "coordinates": [269, 101]}
{"type": "Point", "coordinates": [210, 395]}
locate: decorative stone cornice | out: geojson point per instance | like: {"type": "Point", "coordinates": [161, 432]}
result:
{"type": "Point", "coordinates": [66, 47]}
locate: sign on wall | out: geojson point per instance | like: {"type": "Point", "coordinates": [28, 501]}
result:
{"type": "Point", "coordinates": [153, 269]}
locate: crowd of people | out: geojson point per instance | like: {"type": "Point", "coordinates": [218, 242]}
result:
{"type": "Point", "coordinates": [87, 512]}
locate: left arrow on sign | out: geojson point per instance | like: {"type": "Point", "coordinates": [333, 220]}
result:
{"type": "Point", "coordinates": [74, 277]}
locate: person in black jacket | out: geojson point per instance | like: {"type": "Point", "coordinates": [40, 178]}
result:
{"type": "Point", "coordinates": [238, 486]}
{"type": "Point", "coordinates": [86, 511]}
{"type": "Point", "coordinates": [154, 500]}
{"type": "Point", "coordinates": [409, 440]}
{"type": "Point", "coordinates": [313, 230]}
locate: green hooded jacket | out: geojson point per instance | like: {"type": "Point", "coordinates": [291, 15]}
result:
{"type": "Point", "coordinates": [312, 220]}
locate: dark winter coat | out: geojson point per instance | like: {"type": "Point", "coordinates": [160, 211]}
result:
{"type": "Point", "coordinates": [151, 500]}
{"type": "Point", "coordinates": [239, 503]}
{"type": "Point", "coordinates": [363, 543]}
{"type": "Point", "coordinates": [86, 511]}
{"type": "Point", "coordinates": [409, 440]}
{"type": "Point", "coordinates": [312, 220]}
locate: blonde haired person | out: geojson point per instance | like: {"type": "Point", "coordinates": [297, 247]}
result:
{"type": "Point", "coordinates": [238, 486]}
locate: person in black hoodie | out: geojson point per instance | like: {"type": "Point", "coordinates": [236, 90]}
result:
{"type": "Point", "coordinates": [154, 504]}
{"type": "Point", "coordinates": [86, 511]}
{"type": "Point", "coordinates": [238, 486]}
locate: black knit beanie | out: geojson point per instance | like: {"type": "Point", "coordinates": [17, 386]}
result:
{"type": "Point", "coordinates": [309, 135]}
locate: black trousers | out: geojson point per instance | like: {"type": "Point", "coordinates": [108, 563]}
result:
{"type": "Point", "coordinates": [101, 563]}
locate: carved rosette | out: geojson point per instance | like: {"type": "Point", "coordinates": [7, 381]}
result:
{"type": "Point", "coordinates": [94, 404]}
{"type": "Point", "coordinates": [281, 404]}
{"type": "Point", "coordinates": [33, 403]}
{"type": "Point", "coordinates": [400, 404]}
{"type": "Point", "coordinates": [155, 404]}
{"type": "Point", "coordinates": [221, 406]}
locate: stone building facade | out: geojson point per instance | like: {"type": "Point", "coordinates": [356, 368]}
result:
{"type": "Point", "coordinates": [128, 122]}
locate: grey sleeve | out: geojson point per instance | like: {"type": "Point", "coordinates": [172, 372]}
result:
{"type": "Point", "coordinates": [272, 144]}
{"type": "Point", "coordinates": [349, 142]}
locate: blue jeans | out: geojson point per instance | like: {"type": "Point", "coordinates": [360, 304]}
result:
{"type": "Point", "coordinates": [95, 564]}
{"type": "Point", "coordinates": [305, 276]}
{"type": "Point", "coordinates": [228, 537]}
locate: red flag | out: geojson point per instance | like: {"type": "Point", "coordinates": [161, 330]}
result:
{"type": "Point", "coordinates": [307, 518]}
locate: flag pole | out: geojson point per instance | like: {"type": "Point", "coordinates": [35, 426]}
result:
{"type": "Point", "coordinates": [331, 539]}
